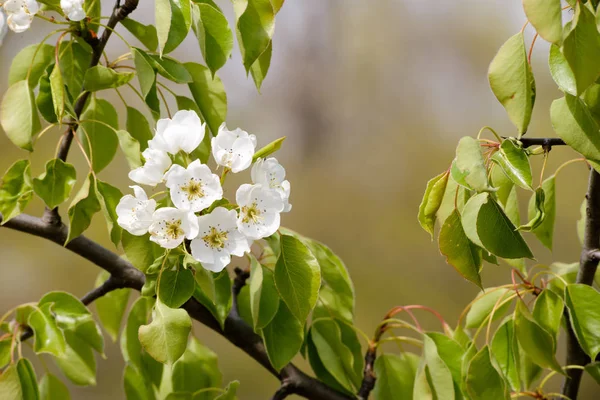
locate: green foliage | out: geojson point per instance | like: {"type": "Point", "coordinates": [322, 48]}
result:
{"type": "Point", "coordinates": [54, 186]}
{"type": "Point", "coordinates": [97, 133]}
{"type": "Point", "coordinates": [432, 200]}
{"type": "Point", "coordinates": [213, 33]}
{"type": "Point", "coordinates": [101, 78]}
{"type": "Point", "coordinates": [582, 302]}
{"type": "Point", "coordinates": [111, 307]}
{"type": "Point", "coordinates": [16, 190]}
{"type": "Point", "coordinates": [18, 115]}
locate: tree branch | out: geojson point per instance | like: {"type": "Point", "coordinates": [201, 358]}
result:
{"type": "Point", "coordinates": [588, 265]}
{"type": "Point", "coordinates": [369, 378]}
{"type": "Point", "coordinates": [236, 330]}
{"type": "Point", "coordinates": [546, 143]}
{"type": "Point", "coordinates": [108, 286]}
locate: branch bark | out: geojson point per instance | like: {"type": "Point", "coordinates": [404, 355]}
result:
{"type": "Point", "coordinates": [236, 330]}
{"type": "Point", "coordinates": [588, 265]}
{"type": "Point", "coordinates": [544, 142]}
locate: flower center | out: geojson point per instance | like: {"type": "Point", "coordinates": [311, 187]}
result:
{"type": "Point", "coordinates": [251, 213]}
{"type": "Point", "coordinates": [173, 229]}
{"type": "Point", "coordinates": [215, 239]}
{"type": "Point", "coordinates": [193, 190]}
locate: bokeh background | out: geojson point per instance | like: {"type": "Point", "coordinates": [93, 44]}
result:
{"type": "Point", "coordinates": [372, 96]}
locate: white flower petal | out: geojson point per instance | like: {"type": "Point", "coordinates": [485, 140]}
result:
{"type": "Point", "coordinates": [233, 149]}
{"type": "Point", "coordinates": [259, 211]}
{"type": "Point", "coordinates": [182, 133]}
{"type": "Point", "coordinates": [194, 188]}
{"type": "Point", "coordinates": [170, 226]}
{"type": "Point", "coordinates": [134, 214]}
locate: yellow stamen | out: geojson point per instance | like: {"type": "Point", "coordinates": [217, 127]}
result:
{"type": "Point", "coordinates": [215, 239]}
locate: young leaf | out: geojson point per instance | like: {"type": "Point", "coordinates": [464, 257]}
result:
{"type": "Point", "coordinates": [48, 338]}
{"type": "Point", "coordinates": [43, 101]}
{"type": "Point", "coordinates": [209, 94]}
{"type": "Point", "coordinates": [297, 277]}
{"type": "Point", "coordinates": [16, 190]}
{"type": "Point", "coordinates": [441, 382]}
{"type": "Point", "coordinates": [505, 351]}
{"type": "Point", "coordinates": [545, 231]}
{"type": "Point", "coordinates": [539, 214]}
{"type": "Point", "coordinates": [230, 391]}
{"type": "Point", "coordinates": [261, 66]}
{"type": "Point", "coordinates": [548, 312]}
{"type": "Point", "coordinates": [395, 376]}
{"type": "Point", "coordinates": [513, 160]}
{"type": "Point", "coordinates": [52, 388]}
{"type": "Point", "coordinates": [197, 369]}
{"type": "Point", "coordinates": [59, 94]}
{"type": "Point", "coordinates": [561, 71]}
{"type": "Point", "coordinates": [173, 21]}
{"type": "Point", "coordinates": [144, 33]}
{"type": "Point", "coordinates": [28, 380]}
{"type": "Point", "coordinates": [269, 149]}
{"type": "Point", "coordinates": [214, 292]}
{"type": "Point", "coordinates": [109, 196]}
{"type": "Point", "coordinates": [512, 82]}
{"type": "Point", "coordinates": [130, 148]}
{"type": "Point", "coordinates": [140, 251]}
{"type": "Point", "coordinates": [283, 337]}
{"type": "Point", "coordinates": [139, 128]}
{"type": "Point", "coordinates": [99, 139]}
{"type": "Point", "coordinates": [130, 344]}
{"type": "Point", "coordinates": [54, 186]}
{"type": "Point", "coordinates": [264, 298]}
{"type": "Point", "coordinates": [101, 78]}
{"type": "Point", "coordinates": [486, 225]}
{"type": "Point", "coordinates": [546, 18]}
{"type": "Point", "coordinates": [74, 61]}
{"type": "Point", "coordinates": [460, 252]}
{"type": "Point", "coordinates": [176, 286]}
{"type": "Point", "coordinates": [24, 64]}
{"type": "Point", "coordinates": [451, 353]}
{"type": "Point", "coordinates": [82, 208]}
{"type": "Point", "coordinates": [483, 381]}
{"type": "Point", "coordinates": [78, 364]}
{"type": "Point", "coordinates": [432, 200]}
{"type": "Point", "coordinates": [581, 46]}
{"type": "Point", "coordinates": [171, 69]}
{"type": "Point", "coordinates": [136, 385]}
{"type": "Point", "coordinates": [485, 303]}
{"type": "Point", "coordinates": [165, 338]}
{"type": "Point", "coordinates": [468, 169]}
{"type": "Point", "coordinates": [111, 307]}
{"type": "Point", "coordinates": [583, 303]}
{"type": "Point", "coordinates": [255, 28]}
{"type": "Point", "coordinates": [144, 67]}
{"type": "Point", "coordinates": [213, 33]}
{"type": "Point", "coordinates": [18, 115]}
{"type": "Point", "coordinates": [163, 13]}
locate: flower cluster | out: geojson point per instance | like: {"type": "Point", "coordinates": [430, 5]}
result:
{"type": "Point", "coordinates": [73, 9]}
{"type": "Point", "coordinates": [19, 14]}
{"type": "Point", "coordinates": [216, 230]}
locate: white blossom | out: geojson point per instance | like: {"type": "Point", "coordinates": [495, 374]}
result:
{"type": "Point", "coordinates": [153, 170]}
{"type": "Point", "coordinates": [271, 174]}
{"type": "Point", "coordinates": [73, 9]}
{"type": "Point", "coordinates": [259, 210]}
{"type": "Point", "coordinates": [218, 239]}
{"type": "Point", "coordinates": [20, 14]}
{"type": "Point", "coordinates": [193, 188]}
{"type": "Point", "coordinates": [3, 26]}
{"type": "Point", "coordinates": [135, 213]}
{"type": "Point", "coordinates": [233, 149]}
{"type": "Point", "coordinates": [170, 226]}
{"type": "Point", "coordinates": [184, 132]}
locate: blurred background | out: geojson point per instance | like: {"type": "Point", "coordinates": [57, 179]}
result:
{"type": "Point", "coordinates": [373, 97]}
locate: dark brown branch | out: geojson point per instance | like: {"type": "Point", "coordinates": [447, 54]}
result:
{"type": "Point", "coordinates": [588, 265]}
{"type": "Point", "coordinates": [369, 378]}
{"type": "Point", "coordinates": [236, 330]}
{"type": "Point", "coordinates": [283, 392]}
{"type": "Point", "coordinates": [546, 143]}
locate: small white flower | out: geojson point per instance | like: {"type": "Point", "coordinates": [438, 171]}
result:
{"type": "Point", "coordinates": [3, 26]}
{"type": "Point", "coordinates": [259, 210]}
{"type": "Point", "coordinates": [171, 225]}
{"type": "Point", "coordinates": [194, 188]}
{"type": "Point", "coordinates": [184, 132]}
{"type": "Point", "coordinates": [271, 174]}
{"type": "Point", "coordinates": [73, 9]}
{"type": "Point", "coordinates": [135, 213]}
{"type": "Point", "coordinates": [153, 170]}
{"type": "Point", "coordinates": [20, 14]}
{"type": "Point", "coordinates": [233, 149]}
{"type": "Point", "coordinates": [218, 239]}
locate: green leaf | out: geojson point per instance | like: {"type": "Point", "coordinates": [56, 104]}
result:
{"type": "Point", "coordinates": [48, 338]}
{"type": "Point", "coordinates": [130, 343]}
{"type": "Point", "coordinates": [140, 251]}
{"type": "Point", "coordinates": [111, 307]}
{"type": "Point", "coordinates": [144, 66]}
{"type": "Point", "coordinates": [459, 251]}
{"type": "Point", "coordinates": [483, 380]}
{"type": "Point", "coordinates": [213, 33]}
{"type": "Point", "coordinates": [545, 231]}
{"type": "Point", "coordinates": [82, 208]}
{"type": "Point", "coordinates": [43, 101]}
{"type": "Point", "coordinates": [165, 338]}
{"type": "Point", "coordinates": [22, 64]}
{"type": "Point", "coordinates": [99, 141]}
{"type": "Point", "coordinates": [297, 277]}
{"type": "Point", "coordinates": [255, 27]}
{"type": "Point", "coordinates": [335, 356]}
{"type": "Point", "coordinates": [535, 340]}
{"type": "Point", "coordinates": [176, 286]}
{"type": "Point", "coordinates": [230, 391]}
{"type": "Point", "coordinates": [101, 78]}
{"type": "Point", "coordinates": [139, 128]}
{"type": "Point", "coordinates": [548, 312]}
{"type": "Point", "coordinates": [213, 290]}
{"type": "Point", "coordinates": [451, 353]}
{"type": "Point", "coordinates": [283, 337]}
{"type": "Point", "coordinates": [513, 160]}
{"type": "Point", "coordinates": [486, 225]}
{"type": "Point", "coordinates": [18, 115]}
{"type": "Point", "coordinates": [441, 382]}
{"type": "Point", "coordinates": [78, 364]}
{"type": "Point", "coordinates": [264, 298]}
{"type": "Point", "coordinates": [109, 196]}
{"type": "Point", "coordinates": [16, 190]}
{"type": "Point", "coordinates": [469, 167]}
{"type": "Point", "coordinates": [163, 14]}
{"type": "Point", "coordinates": [269, 149]}
{"type": "Point", "coordinates": [574, 123]}
{"type": "Point", "coordinates": [484, 304]}
{"type": "Point", "coordinates": [173, 20]}
{"type": "Point", "coordinates": [59, 94]}
{"type": "Point", "coordinates": [136, 385]}
{"type": "Point", "coordinates": [432, 200]}
{"type": "Point", "coordinates": [10, 384]}
{"type": "Point", "coordinates": [581, 221]}
{"type": "Point", "coordinates": [93, 10]}
{"type": "Point", "coordinates": [74, 62]}
{"type": "Point", "coordinates": [583, 303]}
{"type": "Point", "coordinates": [52, 388]}
{"type": "Point", "coordinates": [395, 376]}
{"type": "Point", "coordinates": [260, 68]}
{"type": "Point", "coordinates": [539, 213]}
{"type": "Point", "coordinates": [561, 71]}
{"type": "Point", "coordinates": [209, 94]}
{"type": "Point", "coordinates": [581, 46]}
{"type": "Point", "coordinates": [546, 18]}
{"type": "Point", "coordinates": [144, 33]}
{"type": "Point", "coordinates": [28, 380]}
{"type": "Point", "coordinates": [73, 316]}
{"type": "Point", "coordinates": [512, 82]}
{"type": "Point", "coordinates": [593, 370]}
{"type": "Point", "coordinates": [130, 148]}
{"type": "Point", "coordinates": [505, 350]}
{"type": "Point", "coordinates": [54, 186]}
{"type": "Point", "coordinates": [171, 69]}
{"type": "Point", "coordinates": [197, 369]}
{"type": "Point", "coordinates": [5, 347]}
